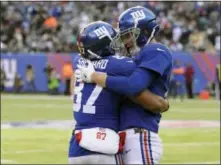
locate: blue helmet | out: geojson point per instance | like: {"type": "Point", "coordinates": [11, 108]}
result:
{"type": "Point", "coordinates": [97, 40]}
{"type": "Point", "coordinates": [138, 26]}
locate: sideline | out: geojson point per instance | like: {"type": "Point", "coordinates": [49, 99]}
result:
{"type": "Point", "coordinates": [68, 124]}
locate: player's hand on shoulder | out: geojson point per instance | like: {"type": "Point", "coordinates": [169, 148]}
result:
{"type": "Point", "coordinates": [85, 72]}
{"type": "Point", "coordinates": [79, 76]}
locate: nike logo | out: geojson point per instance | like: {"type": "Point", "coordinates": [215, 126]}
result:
{"type": "Point", "coordinates": [160, 50]}
{"type": "Point", "coordinates": [130, 61]}
{"type": "Point", "coordinates": [127, 151]}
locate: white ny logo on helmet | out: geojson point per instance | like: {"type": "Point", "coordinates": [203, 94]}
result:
{"type": "Point", "coordinates": [138, 15]}
{"type": "Point", "coordinates": [102, 32]}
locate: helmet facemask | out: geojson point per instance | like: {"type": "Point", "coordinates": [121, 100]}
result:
{"type": "Point", "coordinates": [128, 39]}
{"type": "Point", "coordinates": [116, 43]}
{"type": "Point", "coordinates": [135, 38]}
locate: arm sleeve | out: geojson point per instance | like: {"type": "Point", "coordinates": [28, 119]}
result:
{"type": "Point", "coordinates": [156, 61]}
{"type": "Point", "coordinates": [137, 82]}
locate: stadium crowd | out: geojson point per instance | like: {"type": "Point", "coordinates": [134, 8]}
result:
{"type": "Point", "coordinates": [54, 26]}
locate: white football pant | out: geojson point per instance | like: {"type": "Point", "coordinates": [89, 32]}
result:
{"type": "Point", "coordinates": [97, 159]}
{"type": "Point", "coordinates": [142, 147]}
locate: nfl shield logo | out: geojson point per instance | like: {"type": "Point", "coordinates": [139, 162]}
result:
{"type": "Point", "coordinates": [102, 129]}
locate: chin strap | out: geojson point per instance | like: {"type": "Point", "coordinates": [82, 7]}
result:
{"type": "Point", "coordinates": [152, 35]}
{"type": "Point", "coordinates": [93, 54]}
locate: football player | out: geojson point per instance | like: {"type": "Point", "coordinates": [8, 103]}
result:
{"type": "Point", "coordinates": [95, 139]}
{"type": "Point", "coordinates": [138, 27]}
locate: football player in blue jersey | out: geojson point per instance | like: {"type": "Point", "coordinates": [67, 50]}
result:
{"type": "Point", "coordinates": [138, 27]}
{"type": "Point", "coordinates": [95, 139]}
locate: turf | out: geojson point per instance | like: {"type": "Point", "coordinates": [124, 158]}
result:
{"type": "Point", "coordinates": [51, 145]}
{"type": "Point", "coordinates": [47, 145]}
{"type": "Point", "coordinates": [43, 107]}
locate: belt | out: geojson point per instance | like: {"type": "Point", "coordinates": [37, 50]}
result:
{"type": "Point", "coordinates": [139, 130]}
{"type": "Point", "coordinates": [134, 130]}
{"type": "Point", "coordinates": [75, 131]}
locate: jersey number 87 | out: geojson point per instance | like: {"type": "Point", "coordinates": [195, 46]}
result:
{"type": "Point", "coordinates": [88, 107]}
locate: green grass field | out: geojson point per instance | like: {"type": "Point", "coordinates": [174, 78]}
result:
{"type": "Point", "coordinates": [50, 145]}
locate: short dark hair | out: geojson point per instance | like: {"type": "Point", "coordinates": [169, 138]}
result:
{"type": "Point", "coordinates": [29, 66]}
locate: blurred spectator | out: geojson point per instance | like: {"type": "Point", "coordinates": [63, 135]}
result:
{"type": "Point", "coordinates": [30, 78]}
{"type": "Point", "coordinates": [18, 83]}
{"type": "Point", "coordinates": [199, 42]}
{"type": "Point", "coordinates": [3, 47]}
{"type": "Point", "coordinates": [3, 78]}
{"type": "Point", "coordinates": [67, 72]}
{"type": "Point", "coordinates": [172, 86]}
{"type": "Point", "coordinates": [53, 83]}
{"type": "Point", "coordinates": [217, 44]}
{"type": "Point", "coordinates": [218, 82]}
{"type": "Point", "coordinates": [176, 46]}
{"type": "Point", "coordinates": [53, 26]}
{"type": "Point", "coordinates": [18, 39]}
{"type": "Point", "coordinates": [179, 79]}
{"type": "Point", "coordinates": [48, 70]}
{"type": "Point", "coordinates": [189, 77]}
{"type": "Point", "coordinates": [51, 22]}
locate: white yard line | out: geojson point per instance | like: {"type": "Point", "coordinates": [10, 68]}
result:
{"type": "Point", "coordinates": [34, 97]}
{"type": "Point", "coordinates": [47, 97]}
{"type": "Point", "coordinates": [192, 144]}
{"type": "Point", "coordinates": [69, 124]}
{"type": "Point", "coordinates": [194, 101]}
{"type": "Point", "coordinates": [59, 106]}
{"type": "Point", "coordinates": [7, 161]}
{"type": "Point", "coordinates": [189, 123]}
{"type": "Point", "coordinates": [194, 110]}
{"type": "Point", "coordinates": [37, 105]}
{"type": "Point", "coordinates": [212, 162]}
{"type": "Point", "coordinates": [30, 151]}
{"type": "Point", "coordinates": [53, 150]}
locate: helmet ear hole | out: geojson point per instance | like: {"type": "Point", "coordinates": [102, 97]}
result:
{"type": "Point", "coordinates": [146, 32]}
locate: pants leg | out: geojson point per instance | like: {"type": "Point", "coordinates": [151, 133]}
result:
{"type": "Point", "coordinates": [67, 86]}
{"type": "Point", "coordinates": [142, 148]}
{"type": "Point", "coordinates": [191, 90]}
{"type": "Point", "coordinates": [96, 159]}
{"type": "Point", "coordinates": [33, 86]}
{"type": "Point", "coordinates": [80, 155]}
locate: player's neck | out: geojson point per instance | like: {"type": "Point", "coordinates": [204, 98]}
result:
{"type": "Point", "coordinates": [153, 41]}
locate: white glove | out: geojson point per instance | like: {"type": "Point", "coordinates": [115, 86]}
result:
{"type": "Point", "coordinates": [86, 72]}
{"type": "Point", "coordinates": [78, 75]}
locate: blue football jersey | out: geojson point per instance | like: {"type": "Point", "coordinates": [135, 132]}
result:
{"type": "Point", "coordinates": [158, 58]}
{"type": "Point", "coordinates": [95, 106]}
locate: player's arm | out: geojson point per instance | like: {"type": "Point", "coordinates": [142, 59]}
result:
{"type": "Point", "coordinates": [132, 85]}
{"type": "Point", "coordinates": [152, 66]}
{"type": "Point", "coordinates": [146, 99]}
{"type": "Point", "coordinates": [151, 102]}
